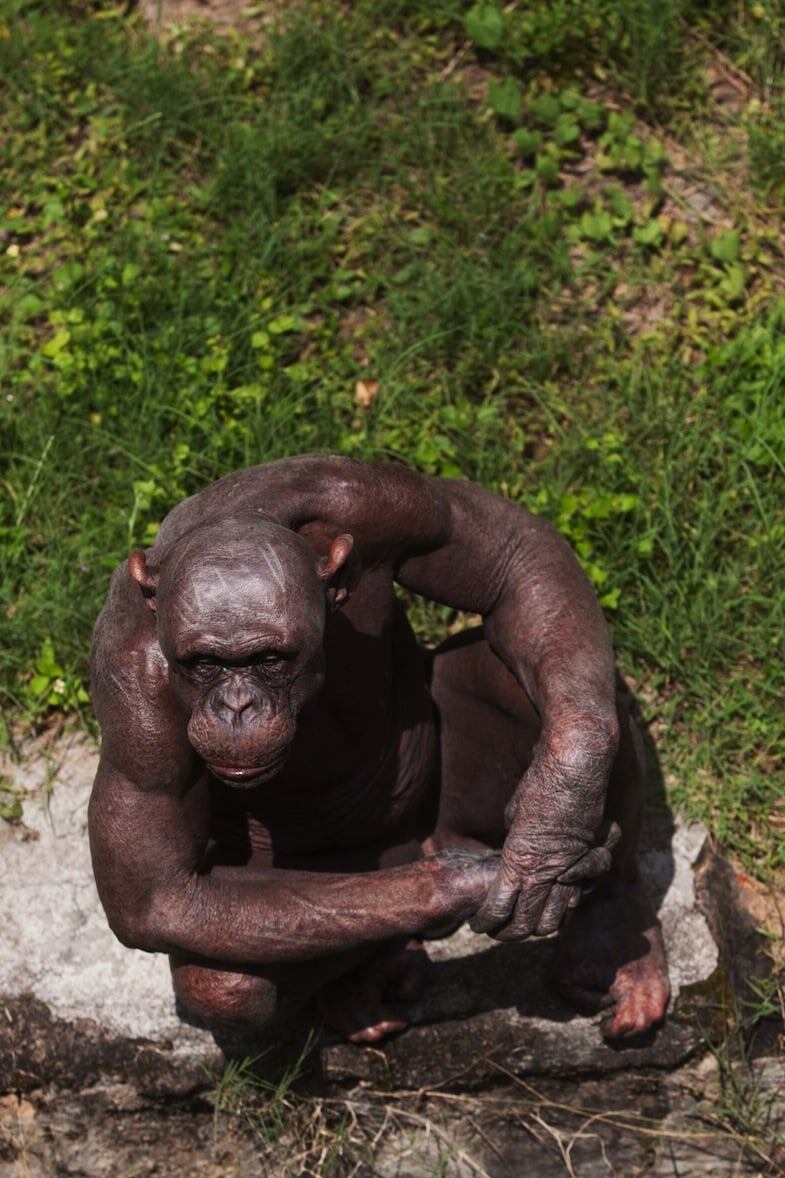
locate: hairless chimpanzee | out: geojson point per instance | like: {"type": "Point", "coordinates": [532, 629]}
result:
{"type": "Point", "coordinates": [293, 793]}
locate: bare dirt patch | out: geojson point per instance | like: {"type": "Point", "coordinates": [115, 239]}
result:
{"type": "Point", "coordinates": [221, 15]}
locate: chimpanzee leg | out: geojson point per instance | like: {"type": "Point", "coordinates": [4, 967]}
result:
{"type": "Point", "coordinates": [353, 992]}
{"type": "Point", "coordinates": [610, 948]}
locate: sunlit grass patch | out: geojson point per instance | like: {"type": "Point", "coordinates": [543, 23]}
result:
{"type": "Point", "coordinates": [492, 219]}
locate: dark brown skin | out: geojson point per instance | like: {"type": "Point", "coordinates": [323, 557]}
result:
{"type": "Point", "coordinates": [272, 808]}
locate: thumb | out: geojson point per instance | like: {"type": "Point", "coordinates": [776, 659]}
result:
{"type": "Point", "coordinates": [498, 904]}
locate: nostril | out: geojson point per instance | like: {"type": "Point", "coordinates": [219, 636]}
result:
{"type": "Point", "coordinates": [238, 706]}
{"type": "Point", "coordinates": [233, 702]}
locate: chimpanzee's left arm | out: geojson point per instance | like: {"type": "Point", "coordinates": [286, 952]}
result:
{"type": "Point", "coordinates": [543, 620]}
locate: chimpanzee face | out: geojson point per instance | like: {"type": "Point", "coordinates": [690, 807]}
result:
{"type": "Point", "coordinates": [244, 660]}
{"type": "Point", "coordinates": [241, 626]}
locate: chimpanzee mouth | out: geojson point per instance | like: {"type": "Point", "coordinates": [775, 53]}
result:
{"type": "Point", "coordinates": [244, 778]}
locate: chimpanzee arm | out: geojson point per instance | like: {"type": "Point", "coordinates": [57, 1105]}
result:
{"type": "Point", "coordinates": [543, 620]}
{"type": "Point", "coordinates": [148, 823]}
{"type": "Point", "coordinates": [144, 845]}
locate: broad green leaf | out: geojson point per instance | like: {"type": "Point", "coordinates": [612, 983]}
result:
{"type": "Point", "coordinates": [547, 168]}
{"type": "Point", "coordinates": [55, 345]}
{"type": "Point", "coordinates": [282, 324]}
{"type": "Point", "coordinates": [484, 25]}
{"type": "Point", "coordinates": [734, 282]}
{"type": "Point", "coordinates": [611, 600]}
{"type": "Point", "coordinates": [28, 306]}
{"type": "Point", "coordinates": [527, 141]}
{"type": "Point", "coordinates": [505, 98]}
{"type": "Point", "coordinates": [597, 226]}
{"type": "Point", "coordinates": [649, 234]}
{"type": "Point", "coordinates": [727, 247]}
{"type": "Point", "coordinates": [620, 205]}
{"type": "Point", "coordinates": [566, 131]}
{"type": "Point", "coordinates": [546, 109]}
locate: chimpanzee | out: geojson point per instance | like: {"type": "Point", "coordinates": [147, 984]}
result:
{"type": "Point", "coordinates": [293, 793]}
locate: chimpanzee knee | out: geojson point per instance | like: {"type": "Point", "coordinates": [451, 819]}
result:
{"type": "Point", "coordinates": [226, 998]}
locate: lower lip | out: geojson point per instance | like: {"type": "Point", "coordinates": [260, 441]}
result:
{"type": "Point", "coordinates": [238, 776]}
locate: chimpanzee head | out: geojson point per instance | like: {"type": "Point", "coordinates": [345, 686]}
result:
{"type": "Point", "coordinates": [240, 608]}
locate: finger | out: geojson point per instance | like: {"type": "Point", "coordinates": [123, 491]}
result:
{"type": "Point", "coordinates": [614, 834]}
{"type": "Point", "coordinates": [595, 862]}
{"type": "Point", "coordinates": [498, 904]}
{"type": "Point", "coordinates": [531, 901]}
{"type": "Point", "coordinates": [554, 910]}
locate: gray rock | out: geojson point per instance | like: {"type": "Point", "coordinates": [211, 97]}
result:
{"type": "Point", "coordinates": [76, 1006]}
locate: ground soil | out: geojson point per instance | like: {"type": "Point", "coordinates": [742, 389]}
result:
{"type": "Point", "coordinates": [220, 14]}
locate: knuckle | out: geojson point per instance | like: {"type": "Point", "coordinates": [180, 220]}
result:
{"type": "Point", "coordinates": [521, 928]}
{"type": "Point", "coordinates": [497, 911]}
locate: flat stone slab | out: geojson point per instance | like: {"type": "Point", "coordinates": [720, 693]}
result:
{"type": "Point", "coordinates": [76, 1007]}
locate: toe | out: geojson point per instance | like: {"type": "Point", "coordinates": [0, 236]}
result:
{"type": "Point", "coordinates": [584, 998]}
{"type": "Point", "coordinates": [637, 1011]}
{"type": "Point", "coordinates": [627, 1020]}
{"type": "Point", "coordinates": [376, 1031]}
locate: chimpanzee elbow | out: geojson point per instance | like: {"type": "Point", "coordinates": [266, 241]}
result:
{"type": "Point", "coordinates": [139, 930]}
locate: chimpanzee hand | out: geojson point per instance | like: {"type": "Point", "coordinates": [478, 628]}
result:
{"type": "Point", "coordinates": [556, 844]}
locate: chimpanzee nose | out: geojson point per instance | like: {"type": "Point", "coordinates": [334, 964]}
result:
{"type": "Point", "coordinates": [238, 703]}
{"type": "Point", "coordinates": [236, 698]}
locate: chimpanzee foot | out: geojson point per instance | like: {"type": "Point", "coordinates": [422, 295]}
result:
{"type": "Point", "coordinates": [611, 953]}
{"type": "Point", "coordinates": [357, 1005]}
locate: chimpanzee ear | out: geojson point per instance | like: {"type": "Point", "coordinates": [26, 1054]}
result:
{"type": "Point", "coordinates": [145, 577]}
{"type": "Point", "coordinates": [340, 569]}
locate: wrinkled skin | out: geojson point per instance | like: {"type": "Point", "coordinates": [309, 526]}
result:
{"type": "Point", "coordinates": [271, 806]}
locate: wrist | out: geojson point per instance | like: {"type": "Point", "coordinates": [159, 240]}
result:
{"type": "Point", "coordinates": [464, 878]}
{"type": "Point", "coordinates": [561, 793]}
{"type": "Point", "coordinates": [581, 746]}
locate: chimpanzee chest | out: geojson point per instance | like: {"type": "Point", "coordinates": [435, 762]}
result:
{"type": "Point", "coordinates": [361, 769]}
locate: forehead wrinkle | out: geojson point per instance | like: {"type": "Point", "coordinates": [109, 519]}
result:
{"type": "Point", "coordinates": [221, 587]}
{"type": "Point", "coordinates": [274, 566]}
{"type": "Point", "coordinates": [214, 612]}
{"type": "Point", "coordinates": [232, 646]}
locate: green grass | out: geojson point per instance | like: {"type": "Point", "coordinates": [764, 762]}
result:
{"type": "Point", "coordinates": [209, 241]}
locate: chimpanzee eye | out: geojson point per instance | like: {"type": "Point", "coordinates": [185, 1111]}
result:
{"type": "Point", "coordinates": [200, 664]}
{"type": "Point", "coordinates": [270, 658]}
